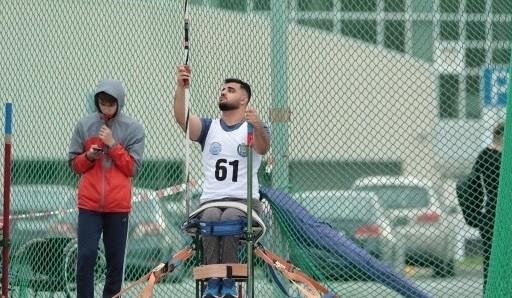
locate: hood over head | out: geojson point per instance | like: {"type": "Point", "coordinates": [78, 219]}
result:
{"type": "Point", "coordinates": [114, 88]}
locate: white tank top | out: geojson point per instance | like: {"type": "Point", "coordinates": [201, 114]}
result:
{"type": "Point", "coordinates": [224, 160]}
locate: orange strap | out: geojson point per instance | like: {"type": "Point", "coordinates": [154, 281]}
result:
{"type": "Point", "coordinates": [307, 285]}
{"type": "Point", "coordinates": [230, 270]}
{"type": "Point", "coordinates": [294, 274]}
{"type": "Point", "coordinates": [157, 273]}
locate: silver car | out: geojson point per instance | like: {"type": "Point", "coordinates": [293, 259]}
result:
{"type": "Point", "coordinates": [33, 208]}
{"type": "Point", "coordinates": [359, 217]}
{"type": "Point", "coordinates": [421, 226]}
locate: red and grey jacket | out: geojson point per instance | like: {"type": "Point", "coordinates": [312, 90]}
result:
{"type": "Point", "coordinates": [106, 184]}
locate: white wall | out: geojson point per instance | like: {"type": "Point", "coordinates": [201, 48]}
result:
{"type": "Point", "coordinates": [349, 100]}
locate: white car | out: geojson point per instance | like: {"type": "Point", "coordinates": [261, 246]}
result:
{"type": "Point", "coordinates": [426, 234]}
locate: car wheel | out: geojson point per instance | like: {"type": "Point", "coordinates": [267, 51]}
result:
{"type": "Point", "coordinates": [22, 270]}
{"type": "Point", "coordinates": [445, 269]}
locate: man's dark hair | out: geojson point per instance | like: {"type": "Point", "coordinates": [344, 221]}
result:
{"type": "Point", "coordinates": [104, 97]}
{"type": "Point", "coordinates": [243, 85]}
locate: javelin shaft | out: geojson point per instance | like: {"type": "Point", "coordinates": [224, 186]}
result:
{"type": "Point", "coordinates": [250, 244]}
{"type": "Point", "coordinates": [186, 46]}
{"type": "Point", "coordinates": [187, 152]}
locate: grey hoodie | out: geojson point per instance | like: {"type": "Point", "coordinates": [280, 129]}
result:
{"type": "Point", "coordinates": [105, 184]}
{"type": "Point", "coordinates": [111, 87]}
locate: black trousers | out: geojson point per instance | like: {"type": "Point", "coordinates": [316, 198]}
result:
{"type": "Point", "coordinates": [486, 233]}
{"type": "Point", "coordinates": [91, 225]}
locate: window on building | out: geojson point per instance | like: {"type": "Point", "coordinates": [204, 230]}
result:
{"type": "Point", "coordinates": [394, 5]}
{"type": "Point", "coordinates": [449, 30]}
{"type": "Point", "coordinates": [475, 30]}
{"type": "Point", "coordinates": [475, 6]}
{"type": "Point", "coordinates": [500, 56]}
{"type": "Point", "coordinates": [260, 5]}
{"type": "Point", "coordinates": [422, 5]}
{"type": "Point", "coordinates": [394, 35]}
{"type": "Point", "coordinates": [358, 5]}
{"type": "Point", "coordinates": [501, 7]}
{"type": "Point", "coordinates": [448, 96]}
{"type": "Point", "coordinates": [502, 31]}
{"type": "Point", "coordinates": [317, 5]}
{"type": "Point", "coordinates": [236, 5]}
{"type": "Point", "coordinates": [322, 24]}
{"type": "Point", "coordinates": [449, 6]}
{"type": "Point", "coordinates": [361, 29]}
{"type": "Point", "coordinates": [475, 57]}
{"type": "Point", "coordinates": [422, 40]}
{"type": "Point", "coordinates": [473, 108]}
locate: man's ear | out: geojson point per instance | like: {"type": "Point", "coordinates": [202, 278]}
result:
{"type": "Point", "coordinates": [245, 100]}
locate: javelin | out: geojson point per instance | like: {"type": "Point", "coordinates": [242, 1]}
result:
{"type": "Point", "coordinates": [186, 46]}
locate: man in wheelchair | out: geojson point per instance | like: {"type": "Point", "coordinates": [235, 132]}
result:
{"type": "Point", "coordinates": [224, 143]}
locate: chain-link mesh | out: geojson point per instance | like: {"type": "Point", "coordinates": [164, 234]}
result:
{"type": "Point", "coordinates": [379, 109]}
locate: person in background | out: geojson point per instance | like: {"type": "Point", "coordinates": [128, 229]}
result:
{"type": "Point", "coordinates": [106, 150]}
{"type": "Point", "coordinates": [487, 168]}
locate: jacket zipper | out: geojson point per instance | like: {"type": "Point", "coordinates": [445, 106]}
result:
{"type": "Point", "coordinates": [102, 199]}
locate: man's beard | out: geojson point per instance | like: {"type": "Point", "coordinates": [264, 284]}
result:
{"type": "Point", "coordinates": [226, 106]}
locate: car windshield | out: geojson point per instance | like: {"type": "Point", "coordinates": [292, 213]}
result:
{"type": "Point", "coordinates": [345, 206]}
{"type": "Point", "coordinates": [400, 197]}
{"type": "Point", "coordinates": [41, 198]}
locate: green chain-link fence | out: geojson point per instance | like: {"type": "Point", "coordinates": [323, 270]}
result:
{"type": "Point", "coordinates": [377, 108]}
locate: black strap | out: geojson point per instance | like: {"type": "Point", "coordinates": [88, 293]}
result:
{"type": "Point", "coordinates": [186, 27]}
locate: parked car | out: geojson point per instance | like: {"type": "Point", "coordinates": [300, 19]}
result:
{"type": "Point", "coordinates": [153, 234]}
{"type": "Point", "coordinates": [417, 220]}
{"type": "Point", "coordinates": [32, 207]}
{"type": "Point", "coordinates": [357, 215]}
{"type": "Point", "coordinates": [29, 213]}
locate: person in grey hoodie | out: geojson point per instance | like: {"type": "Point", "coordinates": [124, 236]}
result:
{"type": "Point", "coordinates": [106, 151]}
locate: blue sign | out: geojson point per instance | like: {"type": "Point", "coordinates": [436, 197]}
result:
{"type": "Point", "coordinates": [494, 89]}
